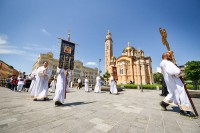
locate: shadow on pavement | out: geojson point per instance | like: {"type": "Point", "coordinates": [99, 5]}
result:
{"type": "Point", "coordinates": [77, 103]}
{"type": "Point", "coordinates": [175, 109]}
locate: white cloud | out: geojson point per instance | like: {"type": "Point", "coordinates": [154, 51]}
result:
{"type": "Point", "coordinates": [3, 39]}
{"type": "Point", "coordinates": [12, 51]}
{"type": "Point", "coordinates": [30, 51]}
{"type": "Point", "coordinates": [35, 47]}
{"type": "Point", "coordinates": [45, 32]}
{"type": "Point", "coordinates": [91, 63]}
{"type": "Point", "coordinates": [5, 48]}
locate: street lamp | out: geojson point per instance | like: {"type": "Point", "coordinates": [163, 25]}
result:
{"type": "Point", "coordinates": [138, 56]}
{"type": "Point", "coordinates": [99, 66]}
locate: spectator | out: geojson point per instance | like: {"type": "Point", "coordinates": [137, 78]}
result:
{"type": "Point", "coordinates": [20, 83]}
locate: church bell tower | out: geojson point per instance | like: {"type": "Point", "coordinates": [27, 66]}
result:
{"type": "Point", "coordinates": [108, 51]}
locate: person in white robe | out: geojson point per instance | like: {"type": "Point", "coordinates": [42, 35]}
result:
{"type": "Point", "coordinates": [20, 84]}
{"type": "Point", "coordinates": [60, 87]}
{"type": "Point", "coordinates": [175, 86]}
{"type": "Point", "coordinates": [69, 77]}
{"type": "Point", "coordinates": [72, 84]}
{"type": "Point", "coordinates": [97, 88]}
{"type": "Point", "coordinates": [33, 79]}
{"type": "Point", "coordinates": [79, 83]}
{"type": "Point", "coordinates": [86, 84]}
{"type": "Point", "coordinates": [113, 86]}
{"type": "Point", "coordinates": [52, 85]}
{"type": "Point", "coordinates": [41, 84]}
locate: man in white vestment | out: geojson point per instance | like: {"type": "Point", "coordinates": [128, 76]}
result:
{"type": "Point", "coordinates": [97, 88]}
{"type": "Point", "coordinates": [69, 76]}
{"type": "Point", "coordinates": [113, 86]}
{"type": "Point", "coordinates": [79, 83]}
{"type": "Point", "coordinates": [60, 87]}
{"type": "Point", "coordinates": [86, 84]}
{"type": "Point", "coordinates": [175, 86]}
{"type": "Point", "coordinates": [53, 85]}
{"type": "Point", "coordinates": [20, 84]}
{"type": "Point", "coordinates": [41, 84]}
{"type": "Point", "coordinates": [33, 79]}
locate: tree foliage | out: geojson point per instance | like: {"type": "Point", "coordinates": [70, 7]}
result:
{"type": "Point", "coordinates": [157, 77]}
{"type": "Point", "coordinates": [106, 75]}
{"type": "Point", "coordinates": [192, 72]}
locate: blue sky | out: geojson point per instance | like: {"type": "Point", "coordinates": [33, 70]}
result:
{"type": "Point", "coordinates": [31, 27]}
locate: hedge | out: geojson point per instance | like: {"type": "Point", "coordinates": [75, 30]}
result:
{"type": "Point", "coordinates": [148, 86]}
{"type": "Point", "coordinates": [134, 86]}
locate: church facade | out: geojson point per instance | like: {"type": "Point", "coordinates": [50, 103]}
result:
{"type": "Point", "coordinates": [131, 66]}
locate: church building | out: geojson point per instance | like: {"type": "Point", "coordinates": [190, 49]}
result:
{"type": "Point", "coordinates": [131, 66]}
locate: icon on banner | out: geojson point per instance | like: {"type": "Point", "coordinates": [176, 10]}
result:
{"type": "Point", "coordinates": [67, 49]}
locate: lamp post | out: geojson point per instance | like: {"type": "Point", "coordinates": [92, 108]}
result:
{"type": "Point", "coordinates": [138, 57]}
{"type": "Point", "coordinates": [99, 66]}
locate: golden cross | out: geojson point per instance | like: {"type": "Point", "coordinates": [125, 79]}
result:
{"type": "Point", "coordinates": [163, 33]}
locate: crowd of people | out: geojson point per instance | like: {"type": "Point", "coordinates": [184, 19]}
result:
{"type": "Point", "coordinates": [20, 83]}
{"type": "Point", "coordinates": [59, 85]}
{"type": "Point", "coordinates": [39, 88]}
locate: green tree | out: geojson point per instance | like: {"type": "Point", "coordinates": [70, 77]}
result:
{"type": "Point", "coordinates": [106, 76]}
{"type": "Point", "coordinates": [192, 72]}
{"type": "Point", "coordinates": [11, 67]}
{"type": "Point", "coordinates": [157, 77]}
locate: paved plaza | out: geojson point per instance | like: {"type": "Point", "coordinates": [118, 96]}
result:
{"type": "Point", "coordinates": [131, 111]}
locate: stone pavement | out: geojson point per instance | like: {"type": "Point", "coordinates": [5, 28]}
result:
{"type": "Point", "coordinates": [131, 111]}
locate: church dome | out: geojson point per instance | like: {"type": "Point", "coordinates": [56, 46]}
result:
{"type": "Point", "coordinates": [50, 55]}
{"type": "Point", "coordinates": [129, 48]}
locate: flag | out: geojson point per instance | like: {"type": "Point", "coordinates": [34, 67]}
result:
{"type": "Point", "coordinates": [66, 59]}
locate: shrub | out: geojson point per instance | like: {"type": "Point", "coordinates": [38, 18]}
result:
{"type": "Point", "coordinates": [150, 87]}
{"type": "Point", "coordinates": [191, 87]}
{"type": "Point", "coordinates": [134, 86]}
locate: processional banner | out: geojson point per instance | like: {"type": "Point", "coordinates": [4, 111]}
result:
{"type": "Point", "coordinates": [66, 59]}
{"type": "Point", "coordinates": [114, 70]}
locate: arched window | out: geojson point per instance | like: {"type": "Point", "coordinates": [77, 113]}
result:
{"type": "Point", "coordinates": [121, 71]}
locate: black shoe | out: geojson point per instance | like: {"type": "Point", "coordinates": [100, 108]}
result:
{"type": "Point", "coordinates": [35, 99]}
{"type": "Point", "coordinates": [183, 113]}
{"type": "Point", "coordinates": [190, 114]}
{"type": "Point", "coordinates": [163, 105]}
{"type": "Point", "coordinates": [57, 103]}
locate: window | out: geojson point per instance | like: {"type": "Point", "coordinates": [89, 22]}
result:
{"type": "Point", "coordinates": [121, 71]}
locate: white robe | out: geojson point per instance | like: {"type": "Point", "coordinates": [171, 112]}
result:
{"type": "Point", "coordinates": [68, 80]}
{"type": "Point", "coordinates": [60, 86]}
{"type": "Point", "coordinates": [41, 84]}
{"type": "Point", "coordinates": [113, 86]}
{"type": "Point", "coordinates": [52, 86]}
{"type": "Point", "coordinates": [97, 88]}
{"type": "Point", "coordinates": [20, 84]}
{"type": "Point", "coordinates": [175, 86]}
{"type": "Point", "coordinates": [86, 85]}
{"type": "Point", "coordinates": [33, 79]}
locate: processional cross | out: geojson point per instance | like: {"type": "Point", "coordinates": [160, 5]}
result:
{"type": "Point", "coordinates": [163, 33]}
